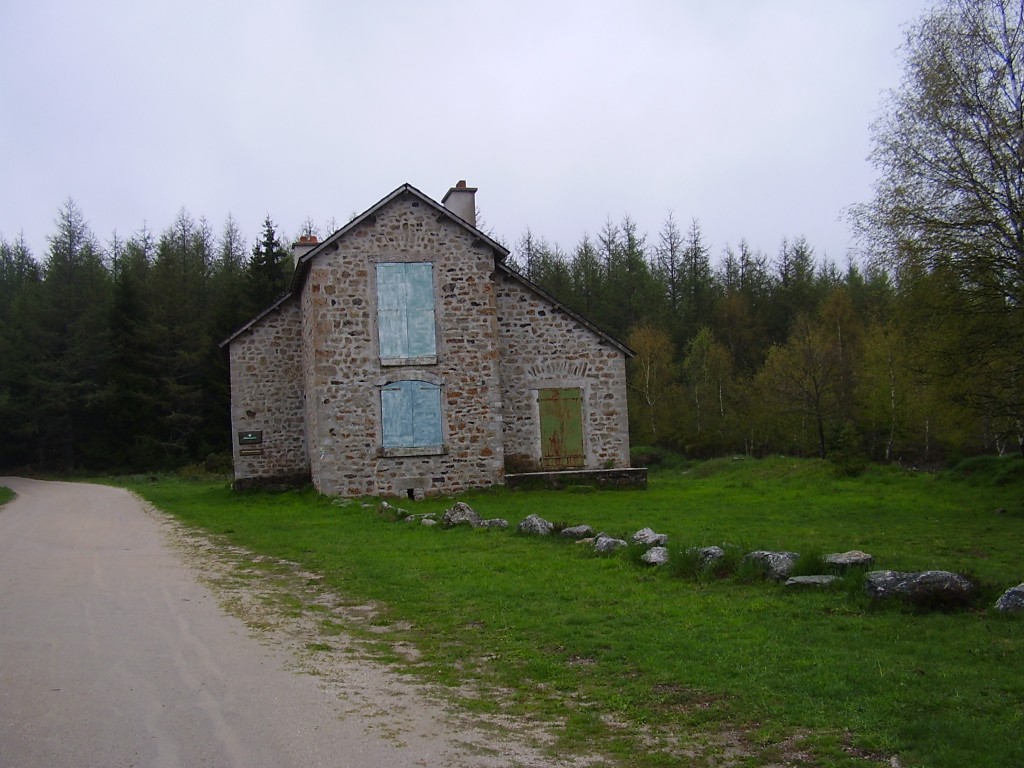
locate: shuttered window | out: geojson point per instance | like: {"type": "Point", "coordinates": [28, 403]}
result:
{"type": "Point", "coordinates": [411, 414]}
{"type": "Point", "coordinates": [405, 311]}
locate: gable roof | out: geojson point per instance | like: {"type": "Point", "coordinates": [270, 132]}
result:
{"type": "Point", "coordinates": [329, 244]}
{"type": "Point", "coordinates": [500, 254]}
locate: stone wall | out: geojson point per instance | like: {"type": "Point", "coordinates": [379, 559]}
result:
{"type": "Point", "coordinates": [542, 346]}
{"type": "Point", "coordinates": [341, 361]}
{"type": "Point", "coordinates": [266, 399]}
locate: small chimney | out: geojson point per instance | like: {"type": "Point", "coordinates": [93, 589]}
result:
{"type": "Point", "coordinates": [305, 244]}
{"type": "Point", "coordinates": [461, 200]}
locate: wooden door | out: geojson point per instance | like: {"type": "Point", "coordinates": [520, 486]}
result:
{"type": "Point", "coordinates": [561, 428]}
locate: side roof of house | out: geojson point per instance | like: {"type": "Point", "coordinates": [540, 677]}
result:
{"type": "Point", "coordinates": [500, 254]}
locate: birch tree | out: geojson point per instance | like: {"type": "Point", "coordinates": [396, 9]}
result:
{"type": "Point", "coordinates": [949, 149]}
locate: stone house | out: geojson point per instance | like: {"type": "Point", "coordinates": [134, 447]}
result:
{"type": "Point", "coordinates": [409, 358]}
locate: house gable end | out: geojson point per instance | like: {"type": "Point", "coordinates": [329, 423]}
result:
{"type": "Point", "coordinates": [369, 216]}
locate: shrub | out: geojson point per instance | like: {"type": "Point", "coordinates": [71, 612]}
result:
{"type": "Point", "coordinates": [654, 457]}
{"type": "Point", "coordinates": [686, 563]}
{"type": "Point", "coordinates": [810, 564]}
{"type": "Point", "coordinates": [749, 571]}
{"type": "Point", "coordinates": [988, 470]}
{"type": "Point", "coordinates": [847, 455]}
{"type": "Point", "coordinates": [219, 463]}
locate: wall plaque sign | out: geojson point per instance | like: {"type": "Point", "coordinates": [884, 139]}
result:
{"type": "Point", "coordinates": [252, 437]}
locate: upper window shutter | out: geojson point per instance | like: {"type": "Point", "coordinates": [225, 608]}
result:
{"type": "Point", "coordinates": [405, 310]}
{"type": "Point", "coordinates": [390, 301]}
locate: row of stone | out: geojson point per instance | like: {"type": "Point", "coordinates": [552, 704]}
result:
{"type": "Point", "coordinates": [924, 588]}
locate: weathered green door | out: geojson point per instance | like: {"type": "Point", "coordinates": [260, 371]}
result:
{"type": "Point", "coordinates": [561, 428]}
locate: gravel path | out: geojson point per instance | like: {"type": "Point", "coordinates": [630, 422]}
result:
{"type": "Point", "coordinates": [126, 640]}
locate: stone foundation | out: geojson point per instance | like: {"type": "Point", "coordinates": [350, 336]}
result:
{"type": "Point", "coordinates": [635, 479]}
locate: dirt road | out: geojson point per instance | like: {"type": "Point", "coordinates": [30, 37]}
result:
{"type": "Point", "coordinates": [113, 653]}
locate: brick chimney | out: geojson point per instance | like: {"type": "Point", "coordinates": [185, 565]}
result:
{"type": "Point", "coordinates": [461, 200]}
{"type": "Point", "coordinates": [305, 244]}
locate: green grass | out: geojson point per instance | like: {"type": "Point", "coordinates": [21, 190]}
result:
{"type": "Point", "coordinates": [630, 659]}
{"type": "Point", "coordinates": [6, 494]}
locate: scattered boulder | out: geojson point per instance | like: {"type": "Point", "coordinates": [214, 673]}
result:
{"type": "Point", "coordinates": [810, 581]}
{"type": "Point", "coordinates": [460, 514]}
{"type": "Point", "coordinates": [494, 522]}
{"type": "Point", "coordinates": [577, 532]}
{"type": "Point", "coordinates": [925, 589]}
{"type": "Point", "coordinates": [655, 556]}
{"type": "Point", "coordinates": [777, 566]}
{"type": "Point", "coordinates": [709, 555]}
{"type": "Point", "coordinates": [428, 521]}
{"type": "Point", "coordinates": [843, 561]}
{"type": "Point", "coordinates": [535, 525]}
{"type": "Point", "coordinates": [390, 510]}
{"type": "Point", "coordinates": [649, 538]}
{"type": "Point", "coordinates": [1012, 600]}
{"type": "Point", "coordinates": [605, 543]}
{"type": "Point", "coordinates": [420, 518]}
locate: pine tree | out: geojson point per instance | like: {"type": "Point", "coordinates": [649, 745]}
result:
{"type": "Point", "coordinates": [66, 345]}
{"type": "Point", "coordinates": [179, 298]}
{"type": "Point", "coordinates": [19, 286]}
{"type": "Point", "coordinates": [130, 395]}
{"type": "Point", "coordinates": [268, 272]}
{"type": "Point", "coordinates": [588, 278]}
{"type": "Point", "coordinates": [669, 265]}
{"type": "Point", "coordinates": [17, 268]}
{"type": "Point", "coordinates": [697, 288]}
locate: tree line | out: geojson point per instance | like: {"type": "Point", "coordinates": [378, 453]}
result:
{"type": "Point", "coordinates": [783, 354]}
{"type": "Point", "coordinates": [111, 359]}
{"type": "Point", "coordinates": [110, 353]}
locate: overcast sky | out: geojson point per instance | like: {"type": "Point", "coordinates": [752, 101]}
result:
{"type": "Point", "coordinates": [750, 116]}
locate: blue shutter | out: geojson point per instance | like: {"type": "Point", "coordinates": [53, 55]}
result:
{"type": "Point", "coordinates": [426, 413]}
{"type": "Point", "coordinates": [405, 310]}
{"type": "Point", "coordinates": [420, 309]}
{"type": "Point", "coordinates": [390, 316]}
{"type": "Point", "coordinates": [410, 414]}
{"type": "Point", "coordinates": [396, 416]}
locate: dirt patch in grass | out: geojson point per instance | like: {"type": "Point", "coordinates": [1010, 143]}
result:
{"type": "Point", "coordinates": [343, 643]}
{"type": "Point", "coordinates": [371, 665]}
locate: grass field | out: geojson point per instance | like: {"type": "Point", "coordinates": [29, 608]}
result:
{"type": "Point", "coordinates": [657, 670]}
